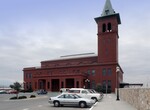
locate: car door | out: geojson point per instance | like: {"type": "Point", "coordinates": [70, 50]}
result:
{"type": "Point", "coordinates": [70, 99]}
{"type": "Point", "coordinates": [85, 94]}
{"type": "Point", "coordinates": [61, 98]}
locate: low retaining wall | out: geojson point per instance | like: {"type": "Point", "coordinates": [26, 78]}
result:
{"type": "Point", "coordinates": [138, 97]}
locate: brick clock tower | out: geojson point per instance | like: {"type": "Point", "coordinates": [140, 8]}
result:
{"type": "Point", "coordinates": [108, 47]}
{"type": "Point", "coordinates": [108, 34]}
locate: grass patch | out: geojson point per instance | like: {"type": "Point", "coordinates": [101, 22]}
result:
{"type": "Point", "coordinates": [20, 97]}
{"type": "Point", "coordinates": [13, 98]}
{"type": "Point", "coordinates": [32, 96]}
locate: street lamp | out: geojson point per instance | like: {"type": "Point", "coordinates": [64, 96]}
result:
{"type": "Point", "coordinates": [117, 71]}
{"type": "Point", "coordinates": [87, 81]}
{"type": "Point", "coordinates": [23, 85]}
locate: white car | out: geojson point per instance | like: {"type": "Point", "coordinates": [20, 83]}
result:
{"type": "Point", "coordinates": [64, 90]}
{"type": "Point", "coordinates": [95, 92]}
{"type": "Point", "coordinates": [3, 92]}
{"type": "Point", "coordinates": [86, 93]}
{"type": "Point", "coordinates": [70, 100]}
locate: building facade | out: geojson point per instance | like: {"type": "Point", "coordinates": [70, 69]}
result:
{"type": "Point", "coordinates": [83, 70]}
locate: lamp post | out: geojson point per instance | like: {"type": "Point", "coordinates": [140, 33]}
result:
{"type": "Point", "coordinates": [87, 83]}
{"type": "Point", "coordinates": [24, 85]}
{"type": "Point", "coordinates": [117, 71]}
{"type": "Point", "coordinates": [106, 88]}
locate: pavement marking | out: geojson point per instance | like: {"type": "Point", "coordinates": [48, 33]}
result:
{"type": "Point", "coordinates": [110, 97]}
{"type": "Point", "coordinates": [40, 105]}
{"type": "Point", "coordinates": [93, 106]}
{"type": "Point", "coordinates": [26, 109]}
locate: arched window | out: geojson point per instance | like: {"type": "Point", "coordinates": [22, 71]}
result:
{"type": "Point", "coordinates": [109, 27]}
{"type": "Point", "coordinates": [104, 28]}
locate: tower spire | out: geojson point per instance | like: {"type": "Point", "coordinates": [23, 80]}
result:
{"type": "Point", "coordinates": [108, 10]}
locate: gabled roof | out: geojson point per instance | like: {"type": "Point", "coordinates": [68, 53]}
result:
{"type": "Point", "coordinates": [108, 10]}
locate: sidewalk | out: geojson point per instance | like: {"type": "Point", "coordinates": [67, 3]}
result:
{"type": "Point", "coordinates": [109, 103]}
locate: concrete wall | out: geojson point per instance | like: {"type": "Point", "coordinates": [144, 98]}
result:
{"type": "Point", "coordinates": [138, 97]}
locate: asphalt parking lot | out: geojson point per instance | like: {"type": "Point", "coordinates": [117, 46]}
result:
{"type": "Point", "coordinates": [38, 103]}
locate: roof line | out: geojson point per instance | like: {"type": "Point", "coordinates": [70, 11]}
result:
{"type": "Point", "coordinates": [77, 54]}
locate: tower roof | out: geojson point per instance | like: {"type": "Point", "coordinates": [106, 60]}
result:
{"type": "Point", "coordinates": [108, 10]}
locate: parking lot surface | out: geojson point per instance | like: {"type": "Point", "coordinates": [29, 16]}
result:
{"type": "Point", "coordinates": [38, 103]}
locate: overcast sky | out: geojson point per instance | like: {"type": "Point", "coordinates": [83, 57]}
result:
{"type": "Point", "coordinates": [35, 30]}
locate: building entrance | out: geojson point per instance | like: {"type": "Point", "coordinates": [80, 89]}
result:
{"type": "Point", "coordinates": [70, 83]}
{"type": "Point", "coordinates": [42, 84]}
{"type": "Point", "coordinates": [55, 85]}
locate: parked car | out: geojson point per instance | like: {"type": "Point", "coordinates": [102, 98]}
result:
{"type": "Point", "coordinates": [3, 92]}
{"type": "Point", "coordinates": [86, 94]}
{"type": "Point", "coordinates": [12, 92]}
{"type": "Point", "coordinates": [41, 91]}
{"type": "Point", "coordinates": [64, 90]}
{"type": "Point", "coordinates": [70, 100]}
{"type": "Point", "coordinates": [93, 92]}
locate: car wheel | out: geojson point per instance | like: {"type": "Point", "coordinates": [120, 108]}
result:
{"type": "Point", "coordinates": [82, 104]}
{"type": "Point", "coordinates": [95, 99]}
{"type": "Point", "coordinates": [56, 104]}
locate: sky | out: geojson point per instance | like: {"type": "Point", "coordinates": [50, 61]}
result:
{"type": "Point", "coordinates": [32, 31]}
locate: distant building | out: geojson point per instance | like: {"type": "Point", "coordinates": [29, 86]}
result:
{"type": "Point", "coordinates": [83, 70]}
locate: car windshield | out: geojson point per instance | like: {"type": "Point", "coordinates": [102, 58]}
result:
{"type": "Point", "coordinates": [77, 96]}
{"type": "Point", "coordinates": [90, 91]}
{"type": "Point", "coordinates": [93, 91]}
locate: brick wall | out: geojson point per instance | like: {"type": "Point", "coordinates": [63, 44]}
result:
{"type": "Point", "coordinates": [138, 97]}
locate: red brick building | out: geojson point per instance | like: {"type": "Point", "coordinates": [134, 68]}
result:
{"type": "Point", "coordinates": [83, 70]}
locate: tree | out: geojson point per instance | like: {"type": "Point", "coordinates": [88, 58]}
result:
{"type": "Point", "coordinates": [16, 86]}
{"type": "Point", "coordinates": [98, 87]}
